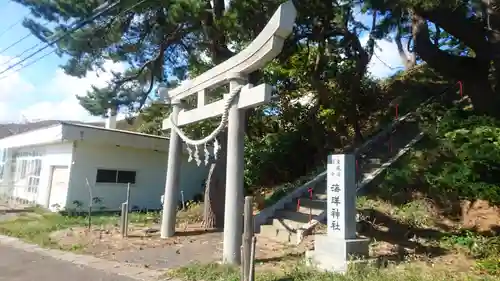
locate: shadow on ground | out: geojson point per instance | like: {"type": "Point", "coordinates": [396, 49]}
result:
{"type": "Point", "coordinates": [381, 227]}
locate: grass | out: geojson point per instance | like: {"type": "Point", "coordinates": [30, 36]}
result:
{"type": "Point", "coordinates": [417, 213]}
{"type": "Point", "coordinates": [37, 226]}
{"type": "Point", "coordinates": [296, 272]}
{"type": "Point", "coordinates": [485, 250]}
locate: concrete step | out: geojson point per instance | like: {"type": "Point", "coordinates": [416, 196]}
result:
{"type": "Point", "coordinates": [303, 209]}
{"type": "Point", "coordinates": [312, 203]}
{"type": "Point", "coordinates": [364, 167]}
{"type": "Point", "coordinates": [319, 196]}
{"type": "Point", "coordinates": [277, 234]}
{"type": "Point", "coordinates": [291, 220]}
{"type": "Point", "coordinates": [372, 161]}
{"type": "Point", "coordinates": [320, 186]}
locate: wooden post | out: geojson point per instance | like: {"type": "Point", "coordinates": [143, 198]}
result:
{"type": "Point", "coordinates": [124, 220]}
{"type": "Point", "coordinates": [251, 274]}
{"type": "Point", "coordinates": [90, 204]}
{"type": "Point", "coordinates": [182, 199]}
{"type": "Point", "coordinates": [128, 196]}
{"type": "Point", "coordinates": [247, 237]}
{"type": "Point", "coordinates": [242, 267]}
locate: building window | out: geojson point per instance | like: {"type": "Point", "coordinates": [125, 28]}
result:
{"type": "Point", "coordinates": [28, 167]}
{"type": "Point", "coordinates": [3, 160]}
{"type": "Point", "coordinates": [115, 176]}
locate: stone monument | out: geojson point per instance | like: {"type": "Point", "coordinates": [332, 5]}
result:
{"type": "Point", "coordinates": [333, 251]}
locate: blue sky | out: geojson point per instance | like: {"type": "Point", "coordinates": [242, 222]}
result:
{"type": "Point", "coordinates": [43, 91]}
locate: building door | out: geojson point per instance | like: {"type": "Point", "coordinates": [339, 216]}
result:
{"type": "Point", "coordinates": [58, 187]}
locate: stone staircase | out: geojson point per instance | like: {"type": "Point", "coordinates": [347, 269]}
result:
{"type": "Point", "coordinates": [309, 202]}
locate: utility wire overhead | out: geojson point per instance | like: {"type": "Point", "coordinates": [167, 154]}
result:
{"type": "Point", "coordinates": [22, 53]}
{"type": "Point", "coordinates": [12, 26]}
{"type": "Point", "coordinates": [73, 29]}
{"type": "Point", "coordinates": [31, 62]}
{"type": "Point", "coordinates": [15, 43]}
{"type": "Point", "coordinates": [29, 34]}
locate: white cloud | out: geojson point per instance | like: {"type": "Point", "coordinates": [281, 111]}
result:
{"type": "Point", "coordinates": [55, 99]}
{"type": "Point", "coordinates": [64, 89]}
{"type": "Point", "coordinates": [386, 60]}
{"type": "Point", "coordinates": [4, 112]}
{"type": "Point", "coordinates": [67, 109]}
{"type": "Point", "coordinates": [11, 83]}
{"type": "Point", "coordinates": [61, 81]}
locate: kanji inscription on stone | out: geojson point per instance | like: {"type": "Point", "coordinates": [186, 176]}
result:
{"type": "Point", "coordinates": [340, 177]}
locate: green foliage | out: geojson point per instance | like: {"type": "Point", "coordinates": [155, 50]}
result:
{"type": "Point", "coordinates": [458, 159]}
{"type": "Point", "coordinates": [476, 245]}
{"type": "Point", "coordinates": [490, 265]}
{"type": "Point", "coordinates": [469, 156]}
{"type": "Point", "coordinates": [266, 157]}
{"type": "Point", "coordinates": [485, 249]}
{"type": "Point", "coordinates": [297, 271]}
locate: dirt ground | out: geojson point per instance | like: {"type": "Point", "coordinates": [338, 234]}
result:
{"type": "Point", "coordinates": [145, 247]}
{"type": "Point", "coordinates": [481, 216]}
{"type": "Point", "coordinates": [392, 241]}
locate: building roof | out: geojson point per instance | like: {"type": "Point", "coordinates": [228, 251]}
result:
{"type": "Point", "coordinates": [10, 129]}
{"type": "Point", "coordinates": [56, 131]}
{"type": "Point", "coordinates": [100, 126]}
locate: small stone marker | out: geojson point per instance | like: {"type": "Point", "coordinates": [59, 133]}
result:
{"type": "Point", "coordinates": [333, 251]}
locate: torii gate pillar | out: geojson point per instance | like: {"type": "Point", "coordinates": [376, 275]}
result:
{"type": "Point", "coordinates": [233, 214]}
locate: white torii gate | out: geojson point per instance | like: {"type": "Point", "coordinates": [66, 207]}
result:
{"type": "Point", "coordinates": [235, 70]}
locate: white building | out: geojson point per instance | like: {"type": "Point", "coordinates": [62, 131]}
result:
{"type": "Point", "coordinates": [54, 167]}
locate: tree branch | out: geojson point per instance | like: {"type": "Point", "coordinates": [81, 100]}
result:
{"type": "Point", "coordinates": [469, 31]}
{"type": "Point", "coordinates": [447, 64]}
{"type": "Point", "coordinates": [218, 47]}
{"type": "Point", "coordinates": [408, 60]}
{"type": "Point", "coordinates": [437, 35]}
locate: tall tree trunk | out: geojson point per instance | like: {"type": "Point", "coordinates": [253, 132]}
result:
{"type": "Point", "coordinates": [472, 71]}
{"type": "Point", "coordinates": [362, 58]}
{"type": "Point", "coordinates": [215, 188]}
{"type": "Point", "coordinates": [409, 60]}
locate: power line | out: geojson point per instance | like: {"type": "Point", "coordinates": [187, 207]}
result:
{"type": "Point", "coordinates": [75, 28]}
{"type": "Point", "coordinates": [59, 38]}
{"type": "Point", "coordinates": [29, 34]}
{"type": "Point", "coordinates": [22, 53]}
{"type": "Point", "coordinates": [12, 26]}
{"type": "Point", "coordinates": [30, 63]}
{"type": "Point", "coordinates": [15, 43]}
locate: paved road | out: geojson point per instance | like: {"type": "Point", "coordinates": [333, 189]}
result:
{"type": "Point", "coordinates": [18, 265]}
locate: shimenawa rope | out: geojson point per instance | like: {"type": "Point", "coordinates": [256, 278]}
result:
{"type": "Point", "coordinates": [212, 136]}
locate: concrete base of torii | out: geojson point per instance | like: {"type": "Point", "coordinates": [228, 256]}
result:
{"type": "Point", "coordinates": [334, 254]}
